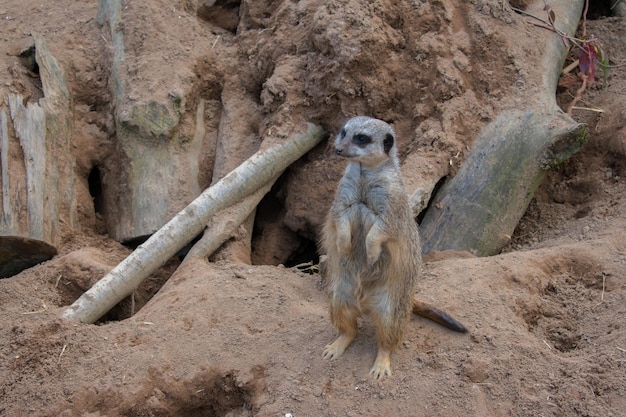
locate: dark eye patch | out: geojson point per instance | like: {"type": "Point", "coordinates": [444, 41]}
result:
{"type": "Point", "coordinates": [388, 142]}
{"type": "Point", "coordinates": [342, 133]}
{"type": "Point", "coordinates": [361, 139]}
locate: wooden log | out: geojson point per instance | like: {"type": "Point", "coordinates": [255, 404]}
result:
{"type": "Point", "coordinates": [246, 179]}
{"type": "Point", "coordinates": [155, 171]}
{"type": "Point", "coordinates": [480, 207]}
{"type": "Point", "coordinates": [236, 142]}
{"type": "Point", "coordinates": [224, 225]}
{"type": "Point", "coordinates": [38, 181]}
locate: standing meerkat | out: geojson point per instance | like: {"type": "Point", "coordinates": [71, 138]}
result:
{"type": "Point", "coordinates": [372, 244]}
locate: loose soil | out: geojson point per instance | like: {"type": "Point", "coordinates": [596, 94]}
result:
{"type": "Point", "coordinates": [546, 317]}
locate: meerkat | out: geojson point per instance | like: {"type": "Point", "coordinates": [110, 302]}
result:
{"type": "Point", "coordinates": [371, 240]}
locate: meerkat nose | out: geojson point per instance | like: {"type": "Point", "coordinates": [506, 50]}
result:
{"type": "Point", "coordinates": [338, 151]}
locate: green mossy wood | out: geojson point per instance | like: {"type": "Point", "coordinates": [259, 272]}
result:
{"type": "Point", "coordinates": [480, 207]}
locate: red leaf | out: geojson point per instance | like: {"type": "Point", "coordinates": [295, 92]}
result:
{"type": "Point", "coordinates": [586, 61]}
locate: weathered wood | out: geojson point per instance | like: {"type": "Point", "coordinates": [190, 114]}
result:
{"type": "Point", "coordinates": [38, 181]}
{"type": "Point", "coordinates": [155, 171]}
{"type": "Point", "coordinates": [224, 225]}
{"type": "Point", "coordinates": [236, 142]}
{"type": "Point", "coordinates": [480, 207]}
{"type": "Point", "coordinates": [244, 180]}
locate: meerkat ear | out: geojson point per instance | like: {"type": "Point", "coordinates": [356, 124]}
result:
{"type": "Point", "coordinates": [388, 142]}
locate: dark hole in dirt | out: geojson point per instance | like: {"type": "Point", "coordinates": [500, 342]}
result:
{"type": "Point", "coordinates": [519, 4]}
{"type": "Point", "coordinates": [95, 189]}
{"type": "Point", "coordinates": [207, 393]}
{"type": "Point", "coordinates": [222, 13]}
{"type": "Point", "coordinates": [273, 242]}
{"type": "Point", "coordinates": [305, 254]}
{"type": "Point", "coordinates": [562, 337]}
{"type": "Point", "coordinates": [436, 189]}
{"type": "Point", "coordinates": [27, 59]}
{"type": "Point", "coordinates": [600, 8]}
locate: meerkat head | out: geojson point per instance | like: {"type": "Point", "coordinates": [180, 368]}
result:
{"type": "Point", "coordinates": [366, 140]}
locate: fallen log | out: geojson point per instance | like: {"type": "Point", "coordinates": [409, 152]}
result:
{"type": "Point", "coordinates": [37, 168]}
{"type": "Point", "coordinates": [223, 226]}
{"type": "Point", "coordinates": [480, 207]}
{"type": "Point", "coordinates": [244, 180]}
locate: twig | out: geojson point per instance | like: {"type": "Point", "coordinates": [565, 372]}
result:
{"type": "Point", "coordinates": [588, 109]}
{"type": "Point", "coordinates": [45, 308]}
{"type": "Point", "coordinates": [215, 41]}
{"type": "Point", "coordinates": [579, 93]}
{"type": "Point", "coordinates": [570, 67]}
{"type": "Point", "coordinates": [603, 286]}
{"type": "Point", "coordinates": [549, 26]}
{"type": "Point", "coordinates": [308, 267]}
{"type": "Point", "coordinates": [56, 284]}
{"type": "Point", "coordinates": [62, 352]}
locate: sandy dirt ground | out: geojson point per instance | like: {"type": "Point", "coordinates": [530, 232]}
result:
{"type": "Point", "coordinates": [546, 318]}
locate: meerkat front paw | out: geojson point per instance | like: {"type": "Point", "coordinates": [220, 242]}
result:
{"type": "Point", "coordinates": [344, 244]}
{"type": "Point", "coordinates": [335, 349]}
{"type": "Point", "coordinates": [373, 244]}
{"type": "Point", "coordinates": [373, 253]}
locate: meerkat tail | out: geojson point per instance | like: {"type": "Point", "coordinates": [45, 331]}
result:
{"type": "Point", "coordinates": [426, 310]}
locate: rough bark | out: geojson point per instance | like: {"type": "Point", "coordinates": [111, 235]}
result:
{"type": "Point", "coordinates": [248, 177]}
{"type": "Point", "coordinates": [155, 172]}
{"type": "Point", "coordinates": [38, 181]}
{"type": "Point", "coordinates": [236, 141]}
{"type": "Point", "coordinates": [480, 207]}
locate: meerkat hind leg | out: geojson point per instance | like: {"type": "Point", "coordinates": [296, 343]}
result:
{"type": "Point", "coordinates": [335, 349]}
{"type": "Point", "coordinates": [346, 321]}
{"type": "Point", "coordinates": [382, 364]}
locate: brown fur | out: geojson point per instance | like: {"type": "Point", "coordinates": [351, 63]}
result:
{"type": "Point", "coordinates": [371, 242]}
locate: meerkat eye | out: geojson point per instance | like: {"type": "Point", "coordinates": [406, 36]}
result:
{"type": "Point", "coordinates": [388, 142]}
{"type": "Point", "coordinates": [342, 133]}
{"type": "Point", "coordinates": [361, 139]}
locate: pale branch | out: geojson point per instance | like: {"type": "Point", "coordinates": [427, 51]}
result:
{"type": "Point", "coordinates": [224, 224]}
{"type": "Point", "coordinates": [188, 223]}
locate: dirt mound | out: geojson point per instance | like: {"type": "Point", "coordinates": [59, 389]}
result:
{"type": "Point", "coordinates": [545, 318]}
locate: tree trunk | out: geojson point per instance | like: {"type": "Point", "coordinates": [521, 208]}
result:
{"type": "Point", "coordinates": [480, 207]}
{"type": "Point", "coordinates": [248, 177]}
{"type": "Point", "coordinates": [155, 172]}
{"type": "Point", "coordinates": [38, 182]}
{"type": "Point", "coordinates": [237, 140]}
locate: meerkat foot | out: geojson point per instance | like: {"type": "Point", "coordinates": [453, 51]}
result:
{"type": "Point", "coordinates": [382, 364]}
{"type": "Point", "coordinates": [373, 253]}
{"type": "Point", "coordinates": [344, 245]}
{"type": "Point", "coordinates": [335, 349]}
